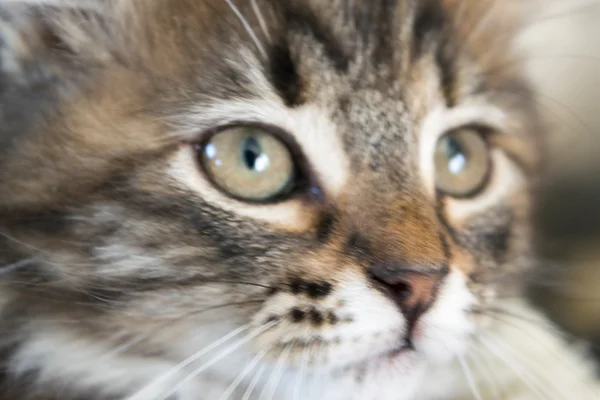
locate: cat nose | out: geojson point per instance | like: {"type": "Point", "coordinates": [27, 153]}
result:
{"type": "Point", "coordinates": [413, 290]}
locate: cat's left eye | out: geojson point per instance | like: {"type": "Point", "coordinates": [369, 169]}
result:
{"type": "Point", "coordinates": [249, 163]}
{"type": "Point", "coordinates": [462, 163]}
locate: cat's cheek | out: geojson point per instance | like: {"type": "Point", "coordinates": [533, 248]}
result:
{"type": "Point", "coordinates": [445, 331]}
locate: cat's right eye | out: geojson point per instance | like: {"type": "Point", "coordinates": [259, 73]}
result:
{"type": "Point", "coordinates": [462, 163]}
{"type": "Point", "coordinates": [248, 163]}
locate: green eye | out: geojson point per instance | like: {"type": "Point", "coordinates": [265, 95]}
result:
{"type": "Point", "coordinates": [462, 163]}
{"type": "Point", "coordinates": [249, 163]}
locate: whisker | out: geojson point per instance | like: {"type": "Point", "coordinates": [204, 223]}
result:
{"type": "Point", "coordinates": [17, 241]}
{"type": "Point", "coordinates": [526, 361]}
{"type": "Point", "coordinates": [254, 382]}
{"type": "Point", "coordinates": [278, 371]}
{"type": "Point", "coordinates": [526, 377]}
{"type": "Point", "coordinates": [253, 363]}
{"type": "Point", "coordinates": [247, 27]}
{"type": "Point", "coordinates": [470, 380]}
{"type": "Point", "coordinates": [499, 310]}
{"type": "Point", "coordinates": [146, 392]}
{"type": "Point", "coordinates": [234, 282]}
{"type": "Point", "coordinates": [40, 251]}
{"type": "Point", "coordinates": [6, 269]}
{"type": "Point", "coordinates": [552, 331]}
{"type": "Point", "coordinates": [543, 279]}
{"type": "Point", "coordinates": [486, 373]}
{"type": "Point", "coordinates": [517, 371]}
{"type": "Point", "coordinates": [139, 338]}
{"type": "Point", "coordinates": [216, 359]}
{"type": "Point", "coordinates": [301, 375]}
{"type": "Point", "coordinates": [483, 22]}
{"type": "Point", "coordinates": [261, 20]}
{"type": "Point", "coordinates": [544, 325]}
{"type": "Point", "coordinates": [319, 379]}
{"type": "Point", "coordinates": [547, 327]}
{"type": "Point", "coordinates": [43, 252]}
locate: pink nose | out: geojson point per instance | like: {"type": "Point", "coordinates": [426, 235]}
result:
{"type": "Point", "coordinates": [413, 290]}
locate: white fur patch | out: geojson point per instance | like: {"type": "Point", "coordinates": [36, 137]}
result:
{"type": "Point", "coordinates": [444, 330]}
{"type": "Point", "coordinates": [376, 328]}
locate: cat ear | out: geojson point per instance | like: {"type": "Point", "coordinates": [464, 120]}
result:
{"type": "Point", "coordinates": [39, 37]}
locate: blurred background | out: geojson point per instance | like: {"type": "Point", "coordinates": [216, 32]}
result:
{"type": "Point", "coordinates": [566, 67]}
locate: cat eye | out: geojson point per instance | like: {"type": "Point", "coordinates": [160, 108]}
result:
{"type": "Point", "coordinates": [462, 163]}
{"type": "Point", "coordinates": [248, 163]}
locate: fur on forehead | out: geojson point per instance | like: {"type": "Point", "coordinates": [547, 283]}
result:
{"type": "Point", "coordinates": [72, 61]}
{"type": "Point", "coordinates": [113, 30]}
{"type": "Point", "coordinates": [167, 46]}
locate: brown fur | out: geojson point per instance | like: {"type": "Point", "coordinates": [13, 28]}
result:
{"type": "Point", "coordinates": [119, 245]}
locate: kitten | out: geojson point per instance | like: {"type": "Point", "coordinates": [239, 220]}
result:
{"type": "Point", "coordinates": [261, 199]}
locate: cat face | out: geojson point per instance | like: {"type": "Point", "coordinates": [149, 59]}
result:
{"type": "Point", "coordinates": [321, 191]}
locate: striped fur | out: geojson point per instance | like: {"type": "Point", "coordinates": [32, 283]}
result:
{"type": "Point", "coordinates": [120, 260]}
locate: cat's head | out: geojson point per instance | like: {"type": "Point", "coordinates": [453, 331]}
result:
{"type": "Point", "coordinates": [327, 188]}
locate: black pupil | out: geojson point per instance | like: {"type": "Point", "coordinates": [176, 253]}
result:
{"type": "Point", "coordinates": [457, 159]}
{"type": "Point", "coordinates": [453, 147]}
{"type": "Point", "coordinates": [251, 151]}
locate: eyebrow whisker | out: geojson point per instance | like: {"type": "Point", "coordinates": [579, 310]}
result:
{"type": "Point", "coordinates": [248, 28]}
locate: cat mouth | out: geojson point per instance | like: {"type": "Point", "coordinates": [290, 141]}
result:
{"type": "Point", "coordinates": [400, 352]}
{"type": "Point", "coordinates": [402, 355]}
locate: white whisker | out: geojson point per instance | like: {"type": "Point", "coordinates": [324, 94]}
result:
{"type": "Point", "coordinates": [17, 241]}
{"type": "Point", "coordinates": [482, 23]}
{"type": "Point", "coordinates": [253, 363]}
{"type": "Point", "coordinates": [123, 347]}
{"type": "Point", "coordinates": [15, 266]}
{"type": "Point", "coordinates": [320, 378]}
{"type": "Point", "coordinates": [486, 373]}
{"type": "Point", "coordinates": [147, 391]}
{"type": "Point", "coordinates": [43, 252]}
{"type": "Point", "coordinates": [247, 27]}
{"type": "Point", "coordinates": [311, 382]}
{"type": "Point", "coordinates": [524, 361]}
{"type": "Point", "coordinates": [261, 20]}
{"type": "Point", "coordinates": [537, 323]}
{"type": "Point", "coordinates": [302, 374]}
{"type": "Point", "coordinates": [544, 325]}
{"type": "Point", "coordinates": [470, 379]}
{"type": "Point", "coordinates": [254, 382]}
{"type": "Point", "coordinates": [530, 381]}
{"type": "Point", "coordinates": [277, 372]}
{"type": "Point", "coordinates": [216, 359]}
